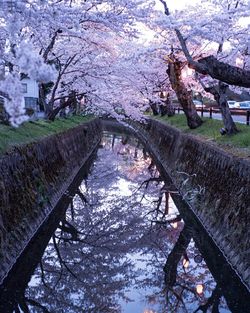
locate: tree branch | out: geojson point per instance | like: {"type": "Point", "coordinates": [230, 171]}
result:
{"type": "Point", "coordinates": [166, 10]}
{"type": "Point", "coordinates": [37, 304]}
{"type": "Point", "coordinates": [51, 45]}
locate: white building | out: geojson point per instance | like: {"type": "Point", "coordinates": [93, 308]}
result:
{"type": "Point", "coordinates": [30, 94]}
{"type": "Point", "coordinates": [30, 99]}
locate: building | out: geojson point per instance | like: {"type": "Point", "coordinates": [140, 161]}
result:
{"type": "Point", "coordinates": [30, 100]}
{"type": "Point", "coordinates": [30, 94]}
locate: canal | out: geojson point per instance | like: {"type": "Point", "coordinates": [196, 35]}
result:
{"type": "Point", "coordinates": [122, 240]}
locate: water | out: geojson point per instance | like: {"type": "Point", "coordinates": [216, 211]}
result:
{"type": "Point", "coordinates": [106, 252]}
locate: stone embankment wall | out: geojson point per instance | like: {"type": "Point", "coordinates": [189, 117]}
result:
{"type": "Point", "coordinates": [215, 184]}
{"type": "Point", "coordinates": [33, 177]}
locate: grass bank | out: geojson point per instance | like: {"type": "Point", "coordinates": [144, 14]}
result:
{"type": "Point", "coordinates": [34, 130]}
{"type": "Point", "coordinates": [238, 144]}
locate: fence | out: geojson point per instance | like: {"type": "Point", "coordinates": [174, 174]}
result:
{"type": "Point", "coordinates": [211, 110]}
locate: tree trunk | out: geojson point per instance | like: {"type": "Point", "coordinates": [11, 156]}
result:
{"type": "Point", "coordinates": [153, 106]}
{"type": "Point", "coordinates": [73, 102]}
{"type": "Point", "coordinates": [170, 267]}
{"type": "Point", "coordinates": [166, 107]}
{"type": "Point", "coordinates": [4, 116]}
{"type": "Point", "coordinates": [53, 113]}
{"type": "Point", "coordinates": [184, 96]}
{"type": "Point", "coordinates": [163, 108]}
{"type": "Point", "coordinates": [43, 91]}
{"type": "Point", "coordinates": [70, 102]}
{"type": "Point", "coordinates": [220, 95]}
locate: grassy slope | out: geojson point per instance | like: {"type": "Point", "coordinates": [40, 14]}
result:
{"type": "Point", "coordinates": [31, 131]}
{"type": "Point", "coordinates": [238, 144]}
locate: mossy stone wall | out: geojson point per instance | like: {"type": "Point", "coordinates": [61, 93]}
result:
{"type": "Point", "coordinates": [33, 177]}
{"type": "Point", "coordinates": [215, 184]}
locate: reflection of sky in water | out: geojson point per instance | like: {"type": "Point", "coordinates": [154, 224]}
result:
{"type": "Point", "coordinates": [138, 295]}
{"type": "Point", "coordinates": [125, 243]}
{"type": "Point", "coordinates": [123, 187]}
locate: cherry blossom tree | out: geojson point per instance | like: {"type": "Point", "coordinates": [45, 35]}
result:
{"type": "Point", "coordinates": [68, 46]}
{"type": "Point", "coordinates": [219, 22]}
{"type": "Point", "coordinates": [212, 39]}
{"type": "Point", "coordinates": [92, 50]}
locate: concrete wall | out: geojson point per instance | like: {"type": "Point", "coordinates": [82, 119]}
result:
{"type": "Point", "coordinates": [33, 177]}
{"type": "Point", "coordinates": [215, 184]}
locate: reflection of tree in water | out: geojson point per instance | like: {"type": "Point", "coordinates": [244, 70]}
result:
{"type": "Point", "coordinates": [183, 276]}
{"type": "Point", "coordinates": [181, 283]}
{"type": "Point", "coordinates": [120, 210]}
{"type": "Point", "coordinates": [85, 267]}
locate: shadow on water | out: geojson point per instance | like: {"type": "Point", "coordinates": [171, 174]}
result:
{"type": "Point", "coordinates": [116, 242]}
